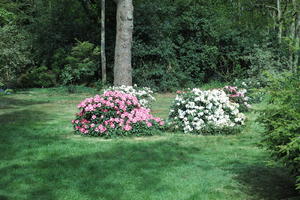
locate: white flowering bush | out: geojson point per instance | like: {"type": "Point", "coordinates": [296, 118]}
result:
{"type": "Point", "coordinates": [205, 112]}
{"type": "Point", "coordinates": [143, 94]}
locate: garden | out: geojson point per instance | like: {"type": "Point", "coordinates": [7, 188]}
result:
{"type": "Point", "coordinates": [43, 158]}
{"type": "Point", "coordinates": [149, 100]}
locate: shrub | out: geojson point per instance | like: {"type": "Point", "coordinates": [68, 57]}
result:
{"type": "Point", "coordinates": [82, 64]}
{"type": "Point", "coordinates": [144, 94]}
{"type": "Point", "coordinates": [254, 86]}
{"type": "Point", "coordinates": [281, 120]}
{"type": "Point", "coordinates": [8, 91]}
{"type": "Point", "coordinates": [37, 77]}
{"type": "Point", "coordinates": [114, 114]}
{"type": "Point", "coordinates": [238, 96]}
{"type": "Point", "coordinates": [14, 54]}
{"type": "Point", "coordinates": [205, 112]}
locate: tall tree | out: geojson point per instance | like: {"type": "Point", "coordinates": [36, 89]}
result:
{"type": "Point", "coordinates": [296, 34]}
{"type": "Point", "coordinates": [122, 65]}
{"type": "Point", "coordinates": [103, 56]}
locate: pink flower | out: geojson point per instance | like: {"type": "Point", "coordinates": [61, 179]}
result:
{"type": "Point", "coordinates": [82, 130]}
{"type": "Point", "coordinates": [161, 123]}
{"type": "Point", "coordinates": [86, 126]}
{"type": "Point", "coordinates": [101, 128]}
{"type": "Point", "coordinates": [127, 127]}
{"type": "Point", "coordinates": [112, 125]}
{"type": "Point", "coordinates": [115, 103]}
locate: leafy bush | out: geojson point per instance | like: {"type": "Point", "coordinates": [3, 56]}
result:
{"type": "Point", "coordinates": [254, 86]}
{"type": "Point", "coordinates": [82, 64]}
{"type": "Point", "coordinates": [144, 94]}
{"type": "Point", "coordinates": [42, 77]}
{"type": "Point", "coordinates": [37, 77]}
{"type": "Point", "coordinates": [205, 112]}
{"type": "Point", "coordinates": [9, 91]}
{"type": "Point", "coordinates": [176, 52]}
{"type": "Point", "coordinates": [6, 17]}
{"type": "Point", "coordinates": [281, 120]}
{"type": "Point", "coordinates": [238, 96]}
{"type": "Point", "coordinates": [14, 53]}
{"type": "Point", "coordinates": [114, 114]}
{"type": "Point", "coordinates": [262, 59]}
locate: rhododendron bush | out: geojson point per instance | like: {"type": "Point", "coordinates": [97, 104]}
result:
{"type": "Point", "coordinates": [143, 94]}
{"type": "Point", "coordinates": [205, 112]}
{"type": "Point", "coordinates": [238, 96]}
{"type": "Point", "coordinates": [114, 114]}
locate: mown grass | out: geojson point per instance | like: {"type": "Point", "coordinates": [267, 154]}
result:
{"type": "Point", "coordinates": [42, 159]}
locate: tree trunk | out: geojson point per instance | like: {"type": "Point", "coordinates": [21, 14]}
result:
{"type": "Point", "coordinates": [103, 57]}
{"type": "Point", "coordinates": [296, 35]}
{"type": "Point", "coordinates": [291, 46]}
{"type": "Point", "coordinates": [122, 65]}
{"type": "Point", "coordinates": [280, 24]}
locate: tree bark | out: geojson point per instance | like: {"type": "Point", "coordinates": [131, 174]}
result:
{"type": "Point", "coordinates": [279, 18]}
{"type": "Point", "coordinates": [296, 35]}
{"type": "Point", "coordinates": [122, 65]}
{"type": "Point", "coordinates": [103, 56]}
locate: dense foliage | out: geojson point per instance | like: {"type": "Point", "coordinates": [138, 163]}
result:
{"type": "Point", "coordinates": [281, 119]}
{"type": "Point", "coordinates": [114, 114]}
{"type": "Point", "coordinates": [176, 44]}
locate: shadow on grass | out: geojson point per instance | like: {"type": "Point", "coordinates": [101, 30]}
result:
{"type": "Point", "coordinates": [10, 102]}
{"type": "Point", "coordinates": [100, 175]}
{"type": "Point", "coordinates": [266, 182]}
{"type": "Point", "coordinates": [21, 130]}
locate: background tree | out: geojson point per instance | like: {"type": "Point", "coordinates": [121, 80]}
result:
{"type": "Point", "coordinates": [122, 66]}
{"type": "Point", "coordinates": [175, 43]}
{"type": "Point", "coordinates": [103, 56]}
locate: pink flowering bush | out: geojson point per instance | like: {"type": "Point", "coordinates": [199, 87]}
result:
{"type": "Point", "coordinates": [238, 96]}
{"type": "Point", "coordinates": [114, 114]}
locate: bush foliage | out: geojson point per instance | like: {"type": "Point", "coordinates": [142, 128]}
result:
{"type": "Point", "coordinates": [114, 114]}
{"type": "Point", "coordinates": [176, 44]}
{"type": "Point", "coordinates": [205, 112]}
{"type": "Point", "coordinates": [282, 121]}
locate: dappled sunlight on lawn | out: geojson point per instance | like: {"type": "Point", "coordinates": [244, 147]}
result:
{"type": "Point", "coordinates": [41, 158]}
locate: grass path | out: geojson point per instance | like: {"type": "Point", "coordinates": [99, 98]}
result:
{"type": "Point", "coordinates": [42, 159]}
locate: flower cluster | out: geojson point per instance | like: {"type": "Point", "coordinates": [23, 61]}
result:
{"type": "Point", "coordinates": [238, 96]}
{"type": "Point", "coordinates": [198, 111]}
{"type": "Point", "coordinates": [255, 88]}
{"type": "Point", "coordinates": [144, 94]}
{"type": "Point", "coordinates": [114, 113]}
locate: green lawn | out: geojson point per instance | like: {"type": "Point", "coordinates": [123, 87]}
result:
{"type": "Point", "coordinates": [42, 159]}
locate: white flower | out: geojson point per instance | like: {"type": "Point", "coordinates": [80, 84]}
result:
{"type": "Point", "coordinates": [206, 107]}
{"type": "Point", "coordinates": [144, 94]}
